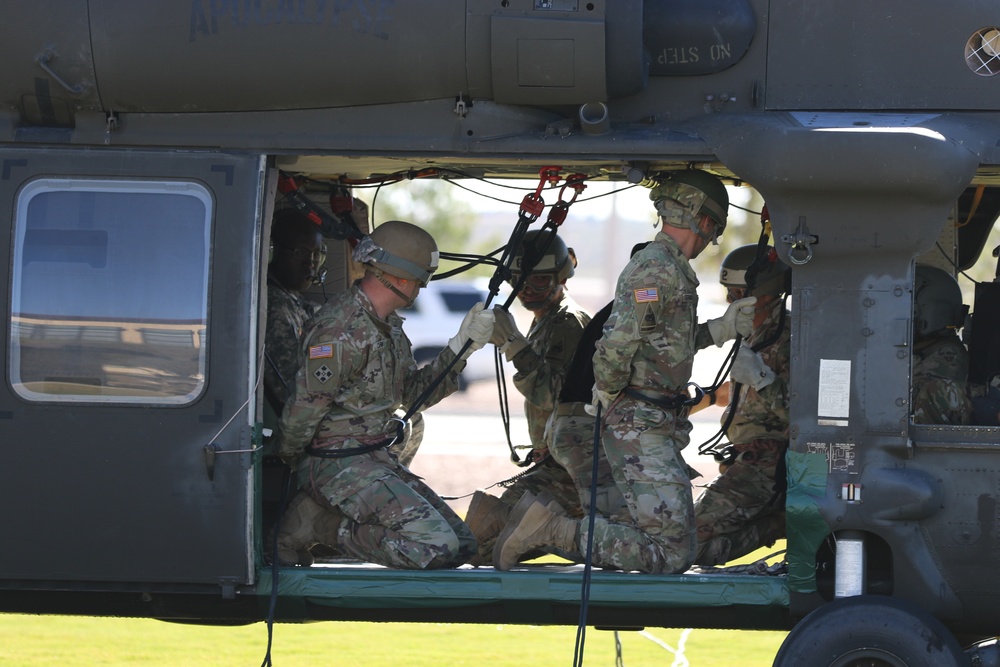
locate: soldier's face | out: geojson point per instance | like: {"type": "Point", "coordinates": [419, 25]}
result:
{"type": "Point", "coordinates": [700, 242]}
{"type": "Point", "coordinates": [539, 290]}
{"type": "Point", "coordinates": [296, 265]}
{"type": "Point", "coordinates": [708, 233]}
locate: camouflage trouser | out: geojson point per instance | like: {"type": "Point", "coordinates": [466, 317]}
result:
{"type": "Point", "coordinates": [393, 518]}
{"type": "Point", "coordinates": [643, 444]}
{"type": "Point", "coordinates": [738, 511]}
{"type": "Point", "coordinates": [572, 445]}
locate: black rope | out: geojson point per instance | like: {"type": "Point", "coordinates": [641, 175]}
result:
{"type": "Point", "coordinates": [275, 569]}
{"type": "Point", "coordinates": [528, 263]}
{"type": "Point", "coordinates": [470, 262]}
{"type": "Point", "coordinates": [581, 628]}
{"type": "Point", "coordinates": [713, 446]}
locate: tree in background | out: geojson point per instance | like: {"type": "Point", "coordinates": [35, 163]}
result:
{"type": "Point", "coordinates": [432, 205]}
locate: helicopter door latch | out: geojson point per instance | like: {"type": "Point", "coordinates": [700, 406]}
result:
{"type": "Point", "coordinates": [801, 242]}
{"type": "Point", "coordinates": [211, 450]}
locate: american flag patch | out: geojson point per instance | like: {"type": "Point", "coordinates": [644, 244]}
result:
{"type": "Point", "coordinates": [324, 351]}
{"type": "Point", "coordinates": [646, 294]}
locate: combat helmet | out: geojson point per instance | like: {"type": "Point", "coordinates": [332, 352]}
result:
{"type": "Point", "coordinates": [773, 277]}
{"type": "Point", "coordinates": [695, 192]}
{"type": "Point", "coordinates": [402, 250]}
{"type": "Point", "coordinates": [937, 301]}
{"type": "Point", "coordinates": [557, 258]}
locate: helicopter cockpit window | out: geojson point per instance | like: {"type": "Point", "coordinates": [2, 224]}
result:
{"type": "Point", "coordinates": [110, 291]}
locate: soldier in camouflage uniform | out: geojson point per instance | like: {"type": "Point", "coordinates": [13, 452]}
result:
{"type": "Point", "coordinates": [940, 360]}
{"type": "Point", "coordinates": [741, 510]}
{"type": "Point", "coordinates": [357, 369]}
{"type": "Point", "coordinates": [571, 427]}
{"type": "Point", "coordinates": [541, 359]}
{"type": "Point", "coordinates": [642, 367]}
{"type": "Point", "coordinates": [298, 252]}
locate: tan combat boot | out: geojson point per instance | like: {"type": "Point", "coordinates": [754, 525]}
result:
{"type": "Point", "coordinates": [551, 504]}
{"type": "Point", "coordinates": [486, 517]}
{"type": "Point", "coordinates": [533, 526]}
{"type": "Point", "coordinates": [299, 530]}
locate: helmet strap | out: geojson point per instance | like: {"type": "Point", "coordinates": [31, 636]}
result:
{"type": "Point", "coordinates": [709, 237]}
{"type": "Point", "coordinates": [380, 276]}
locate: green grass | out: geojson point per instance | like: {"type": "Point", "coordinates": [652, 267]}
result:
{"type": "Point", "coordinates": [47, 641]}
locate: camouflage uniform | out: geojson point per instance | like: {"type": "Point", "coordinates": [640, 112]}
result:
{"type": "Point", "coordinates": [357, 370]}
{"type": "Point", "coordinates": [287, 314]}
{"type": "Point", "coordinates": [740, 510]}
{"type": "Point", "coordinates": [649, 344]}
{"type": "Point", "coordinates": [940, 374]}
{"type": "Point", "coordinates": [572, 429]}
{"type": "Point", "coordinates": [540, 371]}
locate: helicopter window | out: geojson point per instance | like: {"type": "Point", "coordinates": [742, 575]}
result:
{"type": "Point", "coordinates": [110, 291]}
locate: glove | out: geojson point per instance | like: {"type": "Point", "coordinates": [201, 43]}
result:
{"type": "Point", "coordinates": [477, 327]}
{"type": "Point", "coordinates": [738, 319]}
{"type": "Point", "coordinates": [602, 398]}
{"type": "Point", "coordinates": [506, 334]}
{"type": "Point", "coordinates": [749, 369]}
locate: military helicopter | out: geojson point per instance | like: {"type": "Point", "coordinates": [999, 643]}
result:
{"type": "Point", "coordinates": [141, 150]}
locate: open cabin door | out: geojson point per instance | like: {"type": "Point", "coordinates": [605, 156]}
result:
{"type": "Point", "coordinates": [129, 289]}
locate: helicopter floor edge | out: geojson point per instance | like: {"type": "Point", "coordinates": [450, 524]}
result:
{"type": "Point", "coordinates": [529, 595]}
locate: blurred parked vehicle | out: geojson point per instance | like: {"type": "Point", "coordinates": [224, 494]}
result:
{"type": "Point", "coordinates": [436, 316]}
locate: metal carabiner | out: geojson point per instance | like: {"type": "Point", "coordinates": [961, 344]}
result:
{"type": "Point", "coordinates": [798, 241]}
{"type": "Point", "coordinates": [699, 393]}
{"type": "Point", "coordinates": [399, 430]}
{"type": "Point", "coordinates": [795, 259]}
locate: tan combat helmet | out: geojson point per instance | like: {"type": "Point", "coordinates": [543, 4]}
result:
{"type": "Point", "coordinates": [685, 196]}
{"type": "Point", "coordinates": [405, 251]}
{"type": "Point", "coordinates": [557, 258]}
{"type": "Point", "coordinates": [773, 277]}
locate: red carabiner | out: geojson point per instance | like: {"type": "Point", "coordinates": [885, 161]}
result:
{"type": "Point", "coordinates": [341, 200]}
{"type": "Point", "coordinates": [559, 210]}
{"type": "Point", "coordinates": [532, 205]}
{"type": "Point", "coordinates": [577, 182]}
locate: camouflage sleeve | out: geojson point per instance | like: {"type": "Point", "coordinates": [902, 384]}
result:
{"type": "Point", "coordinates": [419, 379]}
{"type": "Point", "coordinates": [774, 398]}
{"type": "Point", "coordinates": [620, 341]}
{"type": "Point", "coordinates": [311, 400]}
{"type": "Point", "coordinates": [281, 348]}
{"type": "Point", "coordinates": [765, 413]}
{"type": "Point", "coordinates": [703, 337]}
{"type": "Point", "coordinates": [541, 369]}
